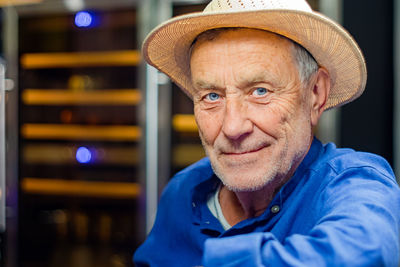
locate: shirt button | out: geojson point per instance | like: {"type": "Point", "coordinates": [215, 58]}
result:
{"type": "Point", "coordinates": [275, 209]}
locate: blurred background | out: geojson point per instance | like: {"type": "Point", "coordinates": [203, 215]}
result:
{"type": "Point", "coordinates": [90, 135]}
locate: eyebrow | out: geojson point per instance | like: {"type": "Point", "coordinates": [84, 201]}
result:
{"type": "Point", "coordinates": [261, 77]}
{"type": "Point", "coordinates": [202, 84]}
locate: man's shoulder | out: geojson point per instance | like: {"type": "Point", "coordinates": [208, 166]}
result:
{"type": "Point", "coordinates": [345, 159]}
{"type": "Point", "coordinates": [195, 173]}
{"type": "Point", "coordinates": [188, 178]}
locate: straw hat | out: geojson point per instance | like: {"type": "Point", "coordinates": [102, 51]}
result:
{"type": "Point", "coordinates": [167, 46]}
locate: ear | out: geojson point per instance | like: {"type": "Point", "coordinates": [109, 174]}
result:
{"type": "Point", "coordinates": [319, 94]}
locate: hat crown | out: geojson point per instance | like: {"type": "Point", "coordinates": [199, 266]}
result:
{"type": "Point", "coordinates": [240, 5]}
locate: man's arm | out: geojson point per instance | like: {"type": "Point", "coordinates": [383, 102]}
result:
{"type": "Point", "coordinates": [359, 226]}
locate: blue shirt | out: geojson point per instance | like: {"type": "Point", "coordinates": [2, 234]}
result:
{"type": "Point", "coordinates": [340, 208]}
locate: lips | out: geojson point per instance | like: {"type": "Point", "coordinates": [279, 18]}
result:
{"type": "Point", "coordinates": [247, 151]}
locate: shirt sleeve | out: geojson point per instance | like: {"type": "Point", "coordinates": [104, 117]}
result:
{"type": "Point", "coordinates": [358, 225]}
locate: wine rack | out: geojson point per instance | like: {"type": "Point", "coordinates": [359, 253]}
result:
{"type": "Point", "coordinates": [80, 137]}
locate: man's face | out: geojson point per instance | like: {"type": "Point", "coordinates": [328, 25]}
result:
{"type": "Point", "coordinates": [251, 109]}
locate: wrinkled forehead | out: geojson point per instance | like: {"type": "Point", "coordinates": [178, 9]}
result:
{"type": "Point", "coordinates": [208, 41]}
{"type": "Point", "coordinates": [239, 35]}
{"type": "Point", "coordinates": [250, 55]}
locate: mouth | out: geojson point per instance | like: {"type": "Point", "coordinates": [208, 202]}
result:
{"type": "Point", "coordinates": [247, 152]}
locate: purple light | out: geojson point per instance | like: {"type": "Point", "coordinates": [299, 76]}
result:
{"type": "Point", "coordinates": [83, 155]}
{"type": "Point", "coordinates": [83, 19]}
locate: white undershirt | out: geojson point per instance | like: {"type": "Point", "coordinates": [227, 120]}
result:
{"type": "Point", "coordinates": [215, 208]}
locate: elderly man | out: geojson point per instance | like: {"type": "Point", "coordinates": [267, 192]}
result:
{"type": "Point", "coordinates": [260, 74]}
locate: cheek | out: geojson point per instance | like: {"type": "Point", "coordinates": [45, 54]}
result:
{"type": "Point", "coordinates": [209, 125]}
{"type": "Point", "coordinates": [284, 109]}
{"type": "Point", "coordinates": [270, 119]}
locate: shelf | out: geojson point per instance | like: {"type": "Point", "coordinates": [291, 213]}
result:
{"type": "Point", "coordinates": [81, 132]}
{"type": "Point", "coordinates": [184, 123]}
{"type": "Point", "coordinates": [58, 187]}
{"type": "Point", "coordinates": [5, 3]}
{"type": "Point", "coordinates": [186, 154]}
{"type": "Point", "coordinates": [58, 154]}
{"type": "Point", "coordinates": [117, 97]}
{"type": "Point", "coordinates": [80, 59]}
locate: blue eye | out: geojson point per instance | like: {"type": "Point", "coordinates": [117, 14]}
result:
{"type": "Point", "coordinates": [212, 96]}
{"type": "Point", "coordinates": [260, 91]}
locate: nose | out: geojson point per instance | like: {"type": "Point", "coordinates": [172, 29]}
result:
{"type": "Point", "coordinates": [236, 123]}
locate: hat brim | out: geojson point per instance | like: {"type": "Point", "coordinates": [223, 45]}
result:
{"type": "Point", "coordinates": [167, 47]}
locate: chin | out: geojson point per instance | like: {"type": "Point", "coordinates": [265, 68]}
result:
{"type": "Point", "coordinates": [240, 181]}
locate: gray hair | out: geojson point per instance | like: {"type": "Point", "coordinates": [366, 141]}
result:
{"type": "Point", "coordinates": [306, 64]}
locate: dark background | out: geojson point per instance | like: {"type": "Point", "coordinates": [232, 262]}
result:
{"type": "Point", "coordinates": [367, 123]}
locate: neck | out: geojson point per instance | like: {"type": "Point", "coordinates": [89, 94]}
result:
{"type": "Point", "coordinates": [239, 206]}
